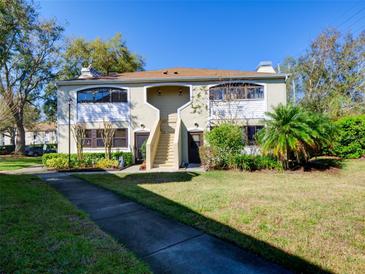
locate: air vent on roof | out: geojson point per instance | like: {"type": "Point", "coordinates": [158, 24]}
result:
{"type": "Point", "coordinates": [165, 72]}
{"type": "Point", "coordinates": [265, 66]}
{"type": "Point", "coordinates": [89, 72]}
{"type": "Point", "coordinates": [175, 72]}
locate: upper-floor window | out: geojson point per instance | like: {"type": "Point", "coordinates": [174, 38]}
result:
{"type": "Point", "coordinates": [236, 91]}
{"type": "Point", "coordinates": [102, 95]}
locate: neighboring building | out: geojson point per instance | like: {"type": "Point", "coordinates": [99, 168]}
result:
{"type": "Point", "coordinates": [169, 108]}
{"type": "Point", "coordinates": [41, 133]}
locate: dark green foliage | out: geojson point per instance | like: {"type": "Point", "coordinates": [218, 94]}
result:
{"type": "Point", "coordinates": [7, 149]}
{"type": "Point", "coordinates": [90, 160]}
{"type": "Point", "coordinates": [350, 140]}
{"type": "Point", "coordinates": [294, 135]}
{"type": "Point", "coordinates": [143, 150]}
{"type": "Point", "coordinates": [226, 138]}
{"type": "Point", "coordinates": [223, 141]}
{"type": "Point", "coordinates": [253, 162]}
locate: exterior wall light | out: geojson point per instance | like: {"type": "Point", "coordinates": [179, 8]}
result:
{"type": "Point", "coordinates": [196, 125]}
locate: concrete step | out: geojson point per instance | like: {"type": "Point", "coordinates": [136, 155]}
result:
{"type": "Point", "coordinates": [164, 157]}
{"type": "Point", "coordinates": [169, 163]}
{"type": "Point", "coordinates": [164, 166]}
{"type": "Point", "coordinates": [165, 150]}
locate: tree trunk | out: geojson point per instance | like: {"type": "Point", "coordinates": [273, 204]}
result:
{"type": "Point", "coordinates": [12, 136]}
{"type": "Point", "coordinates": [20, 136]}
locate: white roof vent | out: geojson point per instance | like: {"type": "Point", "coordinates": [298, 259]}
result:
{"type": "Point", "coordinates": [89, 72]}
{"type": "Point", "coordinates": [265, 66]}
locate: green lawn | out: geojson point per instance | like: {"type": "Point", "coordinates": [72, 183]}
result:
{"type": "Point", "coordinates": [308, 221]}
{"type": "Point", "coordinates": [41, 232]}
{"type": "Point", "coordinates": [13, 163]}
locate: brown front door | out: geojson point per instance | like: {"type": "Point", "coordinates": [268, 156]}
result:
{"type": "Point", "coordinates": [140, 138]}
{"type": "Point", "coordinates": [195, 140]}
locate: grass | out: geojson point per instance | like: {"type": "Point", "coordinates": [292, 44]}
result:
{"type": "Point", "coordinates": [13, 163]}
{"type": "Point", "coordinates": [307, 221]}
{"type": "Point", "coordinates": [41, 232]}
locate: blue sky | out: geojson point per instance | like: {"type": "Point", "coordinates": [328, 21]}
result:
{"type": "Point", "coordinates": [207, 34]}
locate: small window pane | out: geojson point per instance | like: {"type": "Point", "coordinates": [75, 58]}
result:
{"type": "Point", "coordinates": [85, 96]}
{"type": "Point", "coordinates": [87, 139]}
{"type": "Point", "coordinates": [99, 142]}
{"type": "Point", "coordinates": [119, 96]}
{"type": "Point", "coordinates": [87, 142]}
{"type": "Point", "coordinates": [119, 142]}
{"type": "Point", "coordinates": [120, 133]}
{"type": "Point", "coordinates": [99, 133]}
{"type": "Point", "coordinates": [102, 96]}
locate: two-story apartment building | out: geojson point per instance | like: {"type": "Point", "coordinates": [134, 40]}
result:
{"type": "Point", "coordinates": [169, 109]}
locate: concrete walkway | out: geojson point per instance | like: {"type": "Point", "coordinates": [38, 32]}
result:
{"type": "Point", "coordinates": [166, 245]}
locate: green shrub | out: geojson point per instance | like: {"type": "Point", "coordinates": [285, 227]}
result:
{"type": "Point", "coordinates": [57, 163]}
{"type": "Point", "coordinates": [47, 156]}
{"type": "Point", "coordinates": [350, 139]}
{"type": "Point", "coordinates": [209, 157]}
{"type": "Point", "coordinates": [106, 163]}
{"type": "Point", "coordinates": [143, 149]}
{"type": "Point", "coordinates": [225, 140]}
{"type": "Point", "coordinates": [89, 159]}
{"type": "Point", "coordinates": [253, 162]}
{"type": "Point", "coordinates": [127, 156]}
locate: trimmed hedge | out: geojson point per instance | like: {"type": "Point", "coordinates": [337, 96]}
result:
{"type": "Point", "coordinates": [350, 141]}
{"type": "Point", "coordinates": [253, 162]}
{"type": "Point", "coordinates": [7, 149]}
{"type": "Point", "coordinates": [90, 160]}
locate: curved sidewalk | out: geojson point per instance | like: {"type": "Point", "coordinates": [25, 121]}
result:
{"type": "Point", "coordinates": [165, 244]}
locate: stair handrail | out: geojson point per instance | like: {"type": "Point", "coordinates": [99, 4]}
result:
{"type": "Point", "coordinates": [152, 144]}
{"type": "Point", "coordinates": [176, 145]}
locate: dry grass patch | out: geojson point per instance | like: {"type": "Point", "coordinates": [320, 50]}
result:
{"type": "Point", "coordinates": [299, 219]}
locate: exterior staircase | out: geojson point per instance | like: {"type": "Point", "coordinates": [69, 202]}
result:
{"type": "Point", "coordinates": [165, 150]}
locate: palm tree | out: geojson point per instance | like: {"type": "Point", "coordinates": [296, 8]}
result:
{"type": "Point", "coordinates": [293, 134]}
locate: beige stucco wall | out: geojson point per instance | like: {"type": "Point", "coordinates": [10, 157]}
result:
{"type": "Point", "coordinates": [143, 116]}
{"type": "Point", "coordinates": [167, 98]}
{"type": "Point", "coordinates": [276, 94]}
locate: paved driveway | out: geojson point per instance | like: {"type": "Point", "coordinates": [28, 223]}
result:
{"type": "Point", "coordinates": [166, 245]}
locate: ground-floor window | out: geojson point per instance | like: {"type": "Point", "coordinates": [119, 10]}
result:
{"type": "Point", "coordinates": [249, 133]}
{"type": "Point", "coordinates": [94, 138]}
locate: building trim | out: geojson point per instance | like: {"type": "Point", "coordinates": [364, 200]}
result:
{"type": "Point", "coordinates": [169, 80]}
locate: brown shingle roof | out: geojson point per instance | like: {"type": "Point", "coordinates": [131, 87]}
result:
{"type": "Point", "coordinates": [188, 72]}
{"type": "Point", "coordinates": [176, 73]}
{"type": "Point", "coordinates": [44, 126]}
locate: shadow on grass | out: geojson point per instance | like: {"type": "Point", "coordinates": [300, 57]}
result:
{"type": "Point", "coordinates": [128, 186]}
{"type": "Point", "coordinates": [320, 164]}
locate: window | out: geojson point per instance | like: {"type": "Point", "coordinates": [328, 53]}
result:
{"type": "Point", "coordinates": [102, 95]}
{"type": "Point", "coordinates": [94, 138]}
{"type": "Point", "coordinates": [250, 132]}
{"type": "Point", "coordinates": [236, 91]}
{"type": "Point", "coordinates": [88, 138]}
{"type": "Point", "coordinates": [120, 138]}
{"type": "Point", "coordinates": [99, 138]}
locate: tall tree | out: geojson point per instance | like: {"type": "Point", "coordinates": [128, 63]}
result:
{"type": "Point", "coordinates": [29, 53]}
{"type": "Point", "coordinates": [109, 56]}
{"type": "Point", "coordinates": [330, 75]}
{"type": "Point", "coordinates": [8, 126]}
